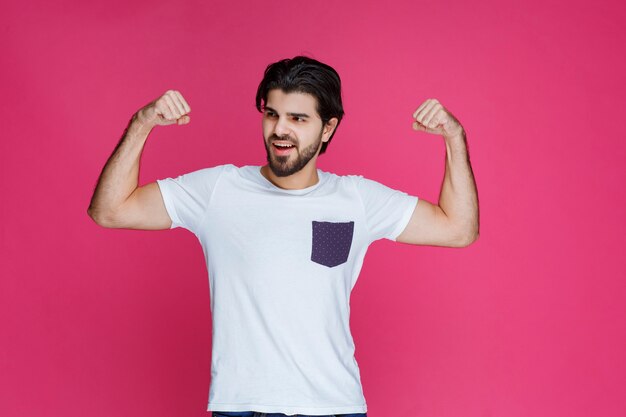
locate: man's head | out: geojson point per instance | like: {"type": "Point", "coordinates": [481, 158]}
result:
{"type": "Point", "coordinates": [292, 131]}
{"type": "Point", "coordinates": [299, 83]}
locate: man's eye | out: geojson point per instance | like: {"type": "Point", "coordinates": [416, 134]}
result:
{"type": "Point", "coordinates": [299, 119]}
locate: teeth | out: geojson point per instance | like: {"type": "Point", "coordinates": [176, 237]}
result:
{"type": "Point", "coordinates": [283, 146]}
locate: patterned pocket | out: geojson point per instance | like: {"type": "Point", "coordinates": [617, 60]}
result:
{"type": "Point", "coordinates": [331, 242]}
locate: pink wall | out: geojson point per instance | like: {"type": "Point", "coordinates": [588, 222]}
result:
{"type": "Point", "coordinates": [528, 321]}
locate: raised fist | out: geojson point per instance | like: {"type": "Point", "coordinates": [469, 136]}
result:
{"type": "Point", "coordinates": [432, 117]}
{"type": "Point", "coordinates": [168, 109]}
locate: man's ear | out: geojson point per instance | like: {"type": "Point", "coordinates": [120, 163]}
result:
{"type": "Point", "coordinates": [329, 128]}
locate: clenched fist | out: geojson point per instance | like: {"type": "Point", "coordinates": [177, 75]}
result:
{"type": "Point", "coordinates": [432, 117]}
{"type": "Point", "coordinates": [168, 109]}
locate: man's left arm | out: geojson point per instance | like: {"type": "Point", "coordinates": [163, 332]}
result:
{"type": "Point", "coordinates": [454, 222]}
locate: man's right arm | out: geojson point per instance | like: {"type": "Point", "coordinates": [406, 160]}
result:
{"type": "Point", "coordinates": [117, 201]}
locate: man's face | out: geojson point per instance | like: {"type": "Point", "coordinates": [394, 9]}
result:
{"type": "Point", "coordinates": [292, 131]}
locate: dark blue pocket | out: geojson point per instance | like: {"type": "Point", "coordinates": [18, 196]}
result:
{"type": "Point", "coordinates": [331, 242]}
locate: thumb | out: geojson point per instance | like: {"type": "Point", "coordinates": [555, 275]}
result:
{"type": "Point", "coordinates": [419, 127]}
{"type": "Point", "coordinates": [183, 120]}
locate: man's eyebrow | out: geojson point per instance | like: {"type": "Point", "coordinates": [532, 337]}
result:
{"type": "Point", "coordinates": [303, 115]}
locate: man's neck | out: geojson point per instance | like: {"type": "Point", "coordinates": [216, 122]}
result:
{"type": "Point", "coordinates": [304, 178]}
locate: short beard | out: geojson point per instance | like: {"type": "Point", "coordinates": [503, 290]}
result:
{"type": "Point", "coordinates": [281, 167]}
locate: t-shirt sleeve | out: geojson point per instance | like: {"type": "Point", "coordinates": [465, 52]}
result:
{"type": "Point", "coordinates": [187, 196]}
{"type": "Point", "coordinates": [387, 211]}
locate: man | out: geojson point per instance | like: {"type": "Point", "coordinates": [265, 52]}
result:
{"type": "Point", "coordinates": [284, 243]}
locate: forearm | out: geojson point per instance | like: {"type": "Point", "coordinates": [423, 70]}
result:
{"type": "Point", "coordinates": [120, 175]}
{"type": "Point", "coordinates": [459, 197]}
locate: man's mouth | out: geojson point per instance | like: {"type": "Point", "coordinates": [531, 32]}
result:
{"type": "Point", "coordinates": [282, 148]}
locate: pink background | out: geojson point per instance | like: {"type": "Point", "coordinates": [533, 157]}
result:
{"type": "Point", "coordinates": [528, 321]}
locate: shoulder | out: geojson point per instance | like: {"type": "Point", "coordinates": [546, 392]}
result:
{"type": "Point", "coordinates": [209, 170]}
{"type": "Point", "coordinates": [213, 172]}
{"type": "Point", "coordinates": [357, 182]}
{"type": "Point", "coordinates": [348, 179]}
{"type": "Point", "coordinates": [199, 178]}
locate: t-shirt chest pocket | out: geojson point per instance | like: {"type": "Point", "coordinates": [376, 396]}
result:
{"type": "Point", "coordinates": [331, 242]}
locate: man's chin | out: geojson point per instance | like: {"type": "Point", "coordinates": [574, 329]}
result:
{"type": "Point", "coordinates": [280, 165]}
{"type": "Point", "coordinates": [281, 170]}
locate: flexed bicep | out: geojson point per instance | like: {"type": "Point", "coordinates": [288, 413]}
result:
{"type": "Point", "coordinates": [144, 210]}
{"type": "Point", "coordinates": [429, 225]}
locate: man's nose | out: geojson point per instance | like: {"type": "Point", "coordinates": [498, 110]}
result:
{"type": "Point", "coordinates": [282, 127]}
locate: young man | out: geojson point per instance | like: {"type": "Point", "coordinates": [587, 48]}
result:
{"type": "Point", "coordinates": [284, 243]}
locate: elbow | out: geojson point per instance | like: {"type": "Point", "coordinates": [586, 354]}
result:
{"type": "Point", "coordinates": [92, 214]}
{"type": "Point", "coordinates": [97, 218]}
{"type": "Point", "coordinates": [469, 240]}
{"type": "Point", "coordinates": [466, 237]}
{"type": "Point", "coordinates": [100, 218]}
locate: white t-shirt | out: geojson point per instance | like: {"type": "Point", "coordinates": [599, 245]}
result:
{"type": "Point", "coordinates": [281, 266]}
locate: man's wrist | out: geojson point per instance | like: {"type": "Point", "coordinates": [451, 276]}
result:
{"type": "Point", "coordinates": [457, 137]}
{"type": "Point", "coordinates": [456, 144]}
{"type": "Point", "coordinates": [139, 126]}
{"type": "Point", "coordinates": [456, 140]}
